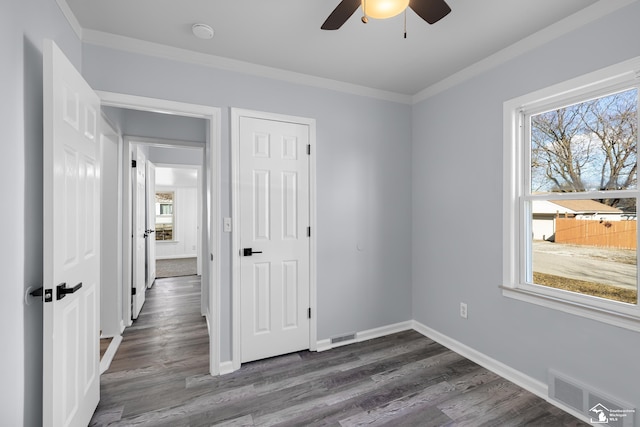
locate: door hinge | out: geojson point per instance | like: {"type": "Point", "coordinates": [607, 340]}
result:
{"type": "Point", "coordinates": [309, 312]}
{"type": "Point", "coordinates": [309, 149]}
{"type": "Point", "coordinates": [133, 163]}
{"type": "Point", "coordinates": [308, 231]}
{"type": "Point", "coordinates": [133, 291]}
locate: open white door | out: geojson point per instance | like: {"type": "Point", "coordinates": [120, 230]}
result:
{"type": "Point", "coordinates": [71, 311]}
{"type": "Point", "coordinates": [139, 258]}
{"type": "Point", "coordinates": [151, 224]}
{"type": "Point", "coordinates": [275, 250]}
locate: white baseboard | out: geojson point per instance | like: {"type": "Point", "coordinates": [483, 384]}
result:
{"type": "Point", "coordinates": [324, 345]}
{"type": "Point", "coordinates": [528, 383]}
{"type": "Point", "coordinates": [208, 322]}
{"type": "Point", "coordinates": [105, 361]}
{"type": "Point", "coordinates": [226, 367]}
{"type": "Point", "coordinates": [178, 256]}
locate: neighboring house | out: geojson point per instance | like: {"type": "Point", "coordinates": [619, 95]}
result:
{"type": "Point", "coordinates": [545, 212]}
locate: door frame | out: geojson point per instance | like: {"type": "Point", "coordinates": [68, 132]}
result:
{"type": "Point", "coordinates": [200, 199]}
{"type": "Point", "coordinates": [236, 114]}
{"type": "Point", "coordinates": [211, 246]}
{"type": "Point", "coordinates": [112, 326]}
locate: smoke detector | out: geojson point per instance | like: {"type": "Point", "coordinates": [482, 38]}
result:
{"type": "Point", "coordinates": [202, 31]}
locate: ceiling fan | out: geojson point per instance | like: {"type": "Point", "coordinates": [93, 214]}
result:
{"type": "Point", "coordinates": [430, 10]}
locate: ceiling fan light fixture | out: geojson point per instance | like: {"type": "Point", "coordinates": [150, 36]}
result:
{"type": "Point", "coordinates": [383, 9]}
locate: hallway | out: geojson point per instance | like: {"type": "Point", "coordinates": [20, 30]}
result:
{"type": "Point", "coordinates": [166, 344]}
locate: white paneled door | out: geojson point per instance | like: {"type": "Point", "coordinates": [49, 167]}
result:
{"type": "Point", "coordinates": [274, 254]}
{"type": "Point", "coordinates": [71, 237]}
{"type": "Point", "coordinates": [139, 244]}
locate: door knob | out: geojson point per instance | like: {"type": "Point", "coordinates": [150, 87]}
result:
{"type": "Point", "coordinates": [249, 252]}
{"type": "Point", "coordinates": [147, 232]}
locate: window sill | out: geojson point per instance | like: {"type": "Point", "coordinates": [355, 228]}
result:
{"type": "Point", "coordinates": [167, 241]}
{"type": "Point", "coordinates": [610, 317]}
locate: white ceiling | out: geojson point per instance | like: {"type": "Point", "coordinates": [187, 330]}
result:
{"type": "Point", "coordinates": [286, 35]}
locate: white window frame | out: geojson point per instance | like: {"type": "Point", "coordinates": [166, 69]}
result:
{"type": "Point", "coordinates": [516, 178]}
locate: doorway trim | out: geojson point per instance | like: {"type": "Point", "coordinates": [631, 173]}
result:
{"type": "Point", "coordinates": [200, 189]}
{"type": "Point", "coordinates": [236, 114]}
{"type": "Point", "coordinates": [212, 151]}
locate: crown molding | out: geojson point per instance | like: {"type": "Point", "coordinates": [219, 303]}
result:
{"type": "Point", "coordinates": [132, 45]}
{"type": "Point", "coordinates": [142, 47]}
{"type": "Point", "coordinates": [558, 29]}
{"type": "Point", "coordinates": [71, 18]}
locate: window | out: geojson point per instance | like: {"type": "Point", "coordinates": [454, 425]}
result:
{"type": "Point", "coordinates": [570, 196]}
{"type": "Point", "coordinates": [165, 216]}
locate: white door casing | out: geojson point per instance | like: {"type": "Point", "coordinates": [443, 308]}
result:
{"type": "Point", "coordinates": [211, 235]}
{"type": "Point", "coordinates": [151, 223]}
{"type": "Point", "coordinates": [274, 213]}
{"type": "Point", "coordinates": [139, 285]}
{"type": "Point", "coordinates": [71, 203]}
{"type": "Point", "coordinates": [110, 240]}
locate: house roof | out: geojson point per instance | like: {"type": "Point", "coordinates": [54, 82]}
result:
{"type": "Point", "coordinates": [582, 206]}
{"type": "Point", "coordinates": [573, 206]}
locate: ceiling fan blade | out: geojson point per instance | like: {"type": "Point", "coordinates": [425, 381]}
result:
{"type": "Point", "coordinates": [430, 10]}
{"type": "Point", "coordinates": [340, 14]}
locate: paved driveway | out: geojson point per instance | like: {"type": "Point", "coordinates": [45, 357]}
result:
{"type": "Point", "coordinates": [600, 265]}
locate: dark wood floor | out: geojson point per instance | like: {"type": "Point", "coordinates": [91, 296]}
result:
{"type": "Point", "coordinates": [159, 378]}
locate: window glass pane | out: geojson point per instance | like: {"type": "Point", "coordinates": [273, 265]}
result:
{"type": "Point", "coordinates": [585, 246]}
{"type": "Point", "coordinates": [164, 215]}
{"type": "Point", "coordinates": [587, 146]}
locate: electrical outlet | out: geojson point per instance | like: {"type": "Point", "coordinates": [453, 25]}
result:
{"type": "Point", "coordinates": [226, 225]}
{"type": "Point", "coordinates": [463, 310]}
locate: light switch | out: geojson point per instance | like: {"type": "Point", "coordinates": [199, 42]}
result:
{"type": "Point", "coordinates": [227, 225]}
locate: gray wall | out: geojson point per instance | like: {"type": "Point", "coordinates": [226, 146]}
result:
{"type": "Point", "coordinates": [176, 156]}
{"type": "Point", "coordinates": [457, 219]}
{"type": "Point", "coordinates": [21, 36]}
{"type": "Point", "coordinates": [364, 188]}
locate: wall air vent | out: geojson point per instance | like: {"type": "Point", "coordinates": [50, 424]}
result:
{"type": "Point", "coordinates": [343, 338]}
{"type": "Point", "coordinates": [593, 405]}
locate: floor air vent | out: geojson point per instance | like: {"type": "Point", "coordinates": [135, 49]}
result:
{"type": "Point", "coordinates": [343, 338]}
{"type": "Point", "coordinates": [599, 408]}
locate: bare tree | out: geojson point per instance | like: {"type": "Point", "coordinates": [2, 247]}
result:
{"type": "Point", "coordinates": [587, 146]}
{"type": "Point", "coordinates": [615, 123]}
{"type": "Point", "coordinates": [557, 149]}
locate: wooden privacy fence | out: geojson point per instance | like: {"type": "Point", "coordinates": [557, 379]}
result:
{"type": "Point", "coordinates": [606, 234]}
